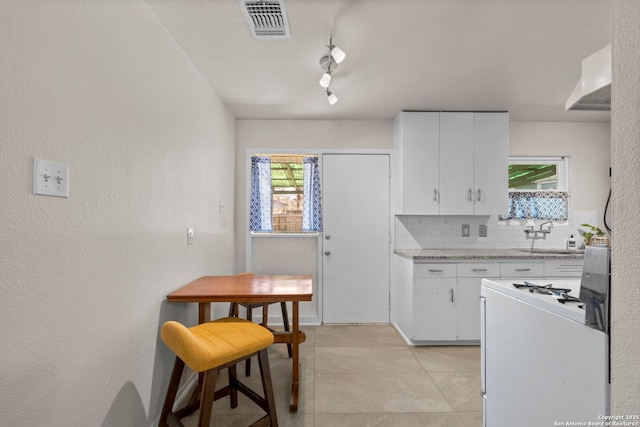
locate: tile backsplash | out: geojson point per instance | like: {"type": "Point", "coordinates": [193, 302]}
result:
{"type": "Point", "coordinates": [445, 232]}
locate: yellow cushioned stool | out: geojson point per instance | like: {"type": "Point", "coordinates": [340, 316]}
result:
{"type": "Point", "coordinates": [209, 348]}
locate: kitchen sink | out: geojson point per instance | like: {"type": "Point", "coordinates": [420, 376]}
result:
{"type": "Point", "coordinates": [553, 251]}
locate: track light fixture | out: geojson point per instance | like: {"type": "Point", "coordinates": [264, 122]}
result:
{"type": "Point", "coordinates": [329, 63]}
{"type": "Point", "coordinates": [326, 79]}
{"type": "Point", "coordinates": [331, 97]}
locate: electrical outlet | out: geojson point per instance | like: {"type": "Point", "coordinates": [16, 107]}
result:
{"type": "Point", "coordinates": [190, 236]}
{"type": "Point", "coordinates": [465, 230]}
{"type": "Point", "coordinates": [483, 231]}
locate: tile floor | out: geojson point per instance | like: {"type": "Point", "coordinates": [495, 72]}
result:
{"type": "Point", "coordinates": [365, 375]}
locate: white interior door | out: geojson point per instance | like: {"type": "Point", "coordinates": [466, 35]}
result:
{"type": "Point", "coordinates": [355, 266]}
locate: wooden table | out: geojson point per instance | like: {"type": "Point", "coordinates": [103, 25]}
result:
{"type": "Point", "coordinates": [257, 290]}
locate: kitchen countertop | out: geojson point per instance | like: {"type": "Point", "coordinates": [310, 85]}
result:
{"type": "Point", "coordinates": [434, 254]}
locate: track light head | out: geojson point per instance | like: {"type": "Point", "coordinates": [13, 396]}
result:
{"type": "Point", "coordinates": [337, 54]}
{"type": "Point", "coordinates": [325, 80]}
{"type": "Point", "coordinates": [331, 97]}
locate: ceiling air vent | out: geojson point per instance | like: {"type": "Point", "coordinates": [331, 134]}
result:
{"type": "Point", "coordinates": [266, 18]}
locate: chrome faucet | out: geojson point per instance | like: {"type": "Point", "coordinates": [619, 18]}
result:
{"type": "Point", "coordinates": [530, 230]}
{"type": "Point", "coordinates": [548, 230]}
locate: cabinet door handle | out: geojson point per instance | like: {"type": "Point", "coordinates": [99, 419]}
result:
{"type": "Point", "coordinates": [469, 195]}
{"type": "Point", "coordinates": [435, 271]}
{"type": "Point", "coordinates": [436, 195]}
{"type": "Point", "coordinates": [523, 269]}
{"type": "Point", "coordinates": [479, 269]}
{"type": "Point", "coordinates": [483, 346]}
{"type": "Point", "coordinates": [479, 195]}
{"type": "Point", "coordinates": [451, 296]}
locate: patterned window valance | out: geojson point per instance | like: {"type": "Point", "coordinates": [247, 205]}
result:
{"type": "Point", "coordinates": [260, 205]}
{"type": "Point", "coordinates": [312, 201]}
{"type": "Point", "coordinates": [543, 204]}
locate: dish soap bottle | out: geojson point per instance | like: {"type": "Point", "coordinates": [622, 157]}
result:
{"type": "Point", "coordinates": [571, 243]}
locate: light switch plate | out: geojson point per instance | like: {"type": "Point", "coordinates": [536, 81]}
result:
{"type": "Point", "coordinates": [50, 178]}
{"type": "Point", "coordinates": [465, 230]}
{"type": "Point", "coordinates": [483, 230]}
{"type": "Point", "coordinates": [190, 236]}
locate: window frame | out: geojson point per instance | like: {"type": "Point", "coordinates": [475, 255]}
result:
{"type": "Point", "coordinates": [563, 164]}
{"type": "Point", "coordinates": [562, 167]}
{"type": "Point", "coordinates": [275, 153]}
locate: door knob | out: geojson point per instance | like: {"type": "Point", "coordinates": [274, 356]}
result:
{"type": "Point", "coordinates": [327, 236]}
{"type": "Point", "coordinates": [327, 252]}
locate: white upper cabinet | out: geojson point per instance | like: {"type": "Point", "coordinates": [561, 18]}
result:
{"type": "Point", "coordinates": [453, 163]}
{"type": "Point", "coordinates": [419, 136]}
{"type": "Point", "coordinates": [456, 164]}
{"type": "Point", "coordinates": [491, 163]}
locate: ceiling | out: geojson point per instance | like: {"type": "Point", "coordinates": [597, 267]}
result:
{"type": "Point", "coordinates": [523, 56]}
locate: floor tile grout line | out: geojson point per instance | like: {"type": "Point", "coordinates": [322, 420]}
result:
{"type": "Point", "coordinates": [314, 350]}
{"type": "Point", "coordinates": [441, 392]}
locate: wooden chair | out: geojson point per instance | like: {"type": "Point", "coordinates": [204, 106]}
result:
{"type": "Point", "coordinates": [233, 312]}
{"type": "Point", "coordinates": [209, 348]}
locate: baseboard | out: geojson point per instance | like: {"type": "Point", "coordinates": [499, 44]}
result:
{"type": "Point", "coordinates": [415, 343]}
{"type": "Point", "coordinates": [404, 337]}
{"type": "Point", "coordinates": [184, 393]}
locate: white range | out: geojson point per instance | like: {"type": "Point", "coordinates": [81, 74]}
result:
{"type": "Point", "coordinates": [541, 366]}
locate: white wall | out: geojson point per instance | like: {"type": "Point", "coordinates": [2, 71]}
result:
{"type": "Point", "coordinates": [299, 135]}
{"type": "Point", "coordinates": [102, 87]}
{"type": "Point", "coordinates": [625, 285]}
{"type": "Point", "coordinates": [587, 144]}
{"type": "Point", "coordinates": [288, 255]}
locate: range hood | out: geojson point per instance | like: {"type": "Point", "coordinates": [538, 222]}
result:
{"type": "Point", "coordinates": [593, 91]}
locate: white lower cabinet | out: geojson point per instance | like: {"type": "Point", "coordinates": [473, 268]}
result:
{"type": "Point", "coordinates": [444, 299]}
{"type": "Point", "coordinates": [469, 279]}
{"type": "Point", "coordinates": [445, 303]}
{"type": "Point", "coordinates": [434, 312]}
{"type": "Point", "coordinates": [434, 287]}
{"type": "Point", "coordinates": [468, 309]}
{"type": "Point", "coordinates": [563, 268]}
{"type": "Point", "coordinates": [522, 270]}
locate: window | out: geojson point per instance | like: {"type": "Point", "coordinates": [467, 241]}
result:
{"type": "Point", "coordinates": [285, 194]}
{"type": "Point", "coordinates": [538, 188]}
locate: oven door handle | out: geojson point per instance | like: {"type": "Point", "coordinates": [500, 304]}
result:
{"type": "Point", "coordinates": [483, 346]}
